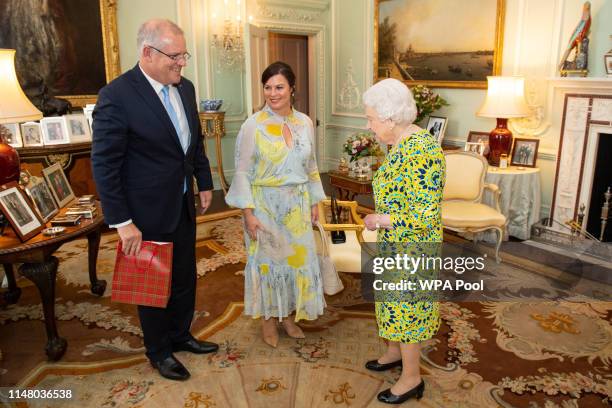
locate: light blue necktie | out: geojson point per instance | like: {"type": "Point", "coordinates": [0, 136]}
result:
{"type": "Point", "coordinates": [175, 122]}
{"type": "Point", "coordinates": [174, 117]}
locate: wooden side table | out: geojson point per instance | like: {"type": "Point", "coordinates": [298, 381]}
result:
{"type": "Point", "coordinates": [40, 266]}
{"type": "Point", "coordinates": [75, 159]}
{"type": "Point", "coordinates": [348, 187]}
{"type": "Point", "coordinates": [214, 128]}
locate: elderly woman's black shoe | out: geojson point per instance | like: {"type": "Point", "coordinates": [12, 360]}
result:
{"type": "Point", "coordinates": [388, 397]}
{"type": "Point", "coordinates": [374, 365]}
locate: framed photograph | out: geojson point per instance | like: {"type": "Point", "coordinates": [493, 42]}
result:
{"type": "Point", "coordinates": [475, 147]}
{"type": "Point", "coordinates": [41, 196]}
{"type": "Point", "coordinates": [74, 56]}
{"type": "Point", "coordinates": [78, 128]}
{"type": "Point", "coordinates": [59, 185]}
{"type": "Point", "coordinates": [11, 134]}
{"type": "Point", "coordinates": [524, 152]}
{"type": "Point", "coordinates": [16, 208]}
{"type": "Point", "coordinates": [480, 137]}
{"type": "Point", "coordinates": [608, 63]}
{"type": "Point", "coordinates": [436, 125]}
{"type": "Point", "coordinates": [417, 53]}
{"type": "Point", "coordinates": [31, 134]}
{"type": "Point", "coordinates": [54, 130]}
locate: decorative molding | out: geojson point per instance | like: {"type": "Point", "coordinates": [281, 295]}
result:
{"type": "Point", "coordinates": [534, 124]}
{"type": "Point", "coordinates": [335, 99]}
{"type": "Point", "coordinates": [350, 95]}
{"type": "Point", "coordinates": [345, 127]}
{"type": "Point", "coordinates": [286, 11]}
{"type": "Point", "coordinates": [319, 5]}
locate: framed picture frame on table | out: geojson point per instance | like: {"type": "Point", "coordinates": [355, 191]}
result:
{"type": "Point", "coordinates": [78, 128]}
{"type": "Point", "coordinates": [38, 190]}
{"type": "Point", "coordinates": [11, 133]}
{"type": "Point", "coordinates": [524, 152]}
{"type": "Point", "coordinates": [436, 126]}
{"type": "Point", "coordinates": [58, 184]}
{"type": "Point", "coordinates": [54, 131]}
{"type": "Point", "coordinates": [31, 133]}
{"type": "Point", "coordinates": [480, 137]}
{"type": "Point", "coordinates": [17, 209]}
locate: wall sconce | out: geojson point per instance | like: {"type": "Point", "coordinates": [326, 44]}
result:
{"type": "Point", "coordinates": [505, 99]}
{"type": "Point", "coordinates": [228, 37]}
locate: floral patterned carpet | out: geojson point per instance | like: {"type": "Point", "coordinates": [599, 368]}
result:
{"type": "Point", "coordinates": [487, 354]}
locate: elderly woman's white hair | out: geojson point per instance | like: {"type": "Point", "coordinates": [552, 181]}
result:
{"type": "Point", "coordinates": [391, 99]}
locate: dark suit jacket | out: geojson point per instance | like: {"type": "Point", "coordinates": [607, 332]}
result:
{"type": "Point", "coordinates": [138, 164]}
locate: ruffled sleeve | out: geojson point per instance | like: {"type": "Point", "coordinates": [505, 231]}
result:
{"type": "Point", "coordinates": [240, 194]}
{"type": "Point", "coordinates": [315, 188]}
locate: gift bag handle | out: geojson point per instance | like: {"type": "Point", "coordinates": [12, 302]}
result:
{"type": "Point", "coordinates": [142, 264]}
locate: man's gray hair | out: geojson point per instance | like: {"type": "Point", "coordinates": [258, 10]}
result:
{"type": "Point", "coordinates": [151, 32]}
{"type": "Point", "coordinates": [391, 99]}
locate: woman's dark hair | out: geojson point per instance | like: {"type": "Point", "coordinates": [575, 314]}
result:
{"type": "Point", "coordinates": [277, 68]}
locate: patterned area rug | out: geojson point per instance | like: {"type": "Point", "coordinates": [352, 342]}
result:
{"type": "Point", "coordinates": [510, 354]}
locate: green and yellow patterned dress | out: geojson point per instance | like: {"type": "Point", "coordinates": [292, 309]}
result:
{"type": "Point", "coordinates": [408, 186]}
{"type": "Point", "coordinates": [280, 184]}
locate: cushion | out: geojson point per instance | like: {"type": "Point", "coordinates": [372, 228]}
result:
{"type": "Point", "coordinates": [462, 214]}
{"type": "Point", "coordinates": [464, 177]}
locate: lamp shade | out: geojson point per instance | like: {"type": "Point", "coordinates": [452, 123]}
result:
{"type": "Point", "coordinates": [505, 98]}
{"type": "Point", "coordinates": [15, 107]}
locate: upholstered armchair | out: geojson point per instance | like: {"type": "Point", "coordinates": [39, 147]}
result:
{"type": "Point", "coordinates": [462, 210]}
{"type": "Point", "coordinates": [346, 256]}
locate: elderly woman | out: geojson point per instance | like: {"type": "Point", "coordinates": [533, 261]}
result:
{"type": "Point", "coordinates": [407, 193]}
{"type": "Point", "coordinates": [277, 185]}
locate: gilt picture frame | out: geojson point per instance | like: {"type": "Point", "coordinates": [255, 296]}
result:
{"type": "Point", "coordinates": [74, 57]}
{"type": "Point", "coordinates": [416, 53]}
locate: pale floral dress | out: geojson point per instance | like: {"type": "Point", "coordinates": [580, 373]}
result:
{"type": "Point", "coordinates": [280, 184]}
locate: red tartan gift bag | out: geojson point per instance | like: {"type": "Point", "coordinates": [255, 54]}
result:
{"type": "Point", "coordinates": [144, 279]}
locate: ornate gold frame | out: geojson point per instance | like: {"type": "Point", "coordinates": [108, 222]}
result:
{"type": "Point", "coordinates": [110, 41]}
{"type": "Point", "coordinates": [497, 56]}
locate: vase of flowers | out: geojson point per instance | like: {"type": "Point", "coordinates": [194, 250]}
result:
{"type": "Point", "coordinates": [427, 102]}
{"type": "Point", "coordinates": [360, 145]}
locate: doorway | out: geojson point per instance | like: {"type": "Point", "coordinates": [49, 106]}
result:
{"type": "Point", "coordinates": [293, 50]}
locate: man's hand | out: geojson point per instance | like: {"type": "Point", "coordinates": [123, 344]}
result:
{"type": "Point", "coordinates": [131, 238]}
{"type": "Point", "coordinates": [205, 200]}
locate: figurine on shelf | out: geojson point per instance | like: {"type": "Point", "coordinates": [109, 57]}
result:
{"type": "Point", "coordinates": [576, 44]}
{"type": "Point", "coordinates": [343, 166]}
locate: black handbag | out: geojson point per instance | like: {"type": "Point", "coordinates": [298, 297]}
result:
{"type": "Point", "coordinates": [337, 237]}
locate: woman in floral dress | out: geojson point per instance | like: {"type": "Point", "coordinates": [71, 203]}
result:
{"type": "Point", "coordinates": [408, 193]}
{"type": "Point", "coordinates": [277, 185]}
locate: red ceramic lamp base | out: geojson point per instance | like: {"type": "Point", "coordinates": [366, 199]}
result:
{"type": "Point", "coordinates": [9, 159]}
{"type": "Point", "coordinates": [500, 141]}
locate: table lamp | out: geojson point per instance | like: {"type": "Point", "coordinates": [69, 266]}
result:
{"type": "Point", "coordinates": [505, 99]}
{"type": "Point", "coordinates": [15, 107]}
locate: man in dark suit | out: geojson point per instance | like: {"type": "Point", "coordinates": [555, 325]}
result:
{"type": "Point", "coordinates": [146, 149]}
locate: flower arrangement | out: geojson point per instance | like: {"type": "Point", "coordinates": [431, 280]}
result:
{"type": "Point", "coordinates": [427, 102]}
{"type": "Point", "coordinates": [361, 145]}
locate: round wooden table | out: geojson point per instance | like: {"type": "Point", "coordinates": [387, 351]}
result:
{"type": "Point", "coordinates": [40, 266]}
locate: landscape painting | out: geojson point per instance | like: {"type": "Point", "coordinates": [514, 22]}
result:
{"type": "Point", "coordinates": [439, 43]}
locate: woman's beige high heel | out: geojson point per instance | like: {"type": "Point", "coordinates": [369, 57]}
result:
{"type": "Point", "coordinates": [270, 333]}
{"type": "Point", "coordinates": [292, 329]}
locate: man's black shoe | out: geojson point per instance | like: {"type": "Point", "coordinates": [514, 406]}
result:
{"type": "Point", "coordinates": [171, 368]}
{"type": "Point", "coordinates": [196, 346]}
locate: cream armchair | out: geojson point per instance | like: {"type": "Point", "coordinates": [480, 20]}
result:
{"type": "Point", "coordinates": [347, 256]}
{"type": "Point", "coordinates": [462, 210]}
